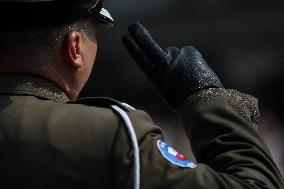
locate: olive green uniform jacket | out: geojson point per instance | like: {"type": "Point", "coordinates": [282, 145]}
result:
{"type": "Point", "coordinates": [46, 142]}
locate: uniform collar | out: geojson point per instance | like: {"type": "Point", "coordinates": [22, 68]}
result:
{"type": "Point", "coordinates": [18, 84]}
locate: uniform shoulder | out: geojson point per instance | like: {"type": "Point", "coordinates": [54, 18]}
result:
{"type": "Point", "coordinates": [84, 114]}
{"type": "Point", "coordinates": [99, 110]}
{"type": "Point", "coordinates": [104, 102]}
{"type": "Point", "coordinates": [142, 122]}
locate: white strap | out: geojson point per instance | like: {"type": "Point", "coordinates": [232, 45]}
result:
{"type": "Point", "coordinates": [133, 138]}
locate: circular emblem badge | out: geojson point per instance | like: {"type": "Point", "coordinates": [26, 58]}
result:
{"type": "Point", "coordinates": [173, 156]}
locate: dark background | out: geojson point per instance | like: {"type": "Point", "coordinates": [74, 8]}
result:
{"type": "Point", "coordinates": [241, 40]}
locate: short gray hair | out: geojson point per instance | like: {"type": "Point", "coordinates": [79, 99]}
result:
{"type": "Point", "coordinates": [38, 46]}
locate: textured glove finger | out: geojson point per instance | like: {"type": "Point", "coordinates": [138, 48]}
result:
{"type": "Point", "coordinates": [146, 42]}
{"type": "Point", "coordinates": [137, 54]}
{"type": "Point", "coordinates": [204, 77]}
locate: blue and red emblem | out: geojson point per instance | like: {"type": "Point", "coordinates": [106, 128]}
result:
{"type": "Point", "coordinates": [173, 156]}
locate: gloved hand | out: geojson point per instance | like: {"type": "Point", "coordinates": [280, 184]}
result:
{"type": "Point", "coordinates": [177, 73]}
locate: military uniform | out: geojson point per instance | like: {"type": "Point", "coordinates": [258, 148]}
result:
{"type": "Point", "coordinates": [48, 142]}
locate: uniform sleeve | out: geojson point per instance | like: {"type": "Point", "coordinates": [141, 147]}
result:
{"type": "Point", "coordinates": [222, 127]}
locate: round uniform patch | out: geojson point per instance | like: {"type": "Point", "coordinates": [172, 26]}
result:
{"type": "Point", "coordinates": [173, 156]}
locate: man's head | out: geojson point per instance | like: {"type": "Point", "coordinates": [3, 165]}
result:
{"type": "Point", "coordinates": [62, 51]}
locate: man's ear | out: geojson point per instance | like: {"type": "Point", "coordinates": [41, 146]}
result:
{"type": "Point", "coordinates": [74, 47]}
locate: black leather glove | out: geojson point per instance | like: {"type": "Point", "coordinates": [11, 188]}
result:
{"type": "Point", "coordinates": [177, 73]}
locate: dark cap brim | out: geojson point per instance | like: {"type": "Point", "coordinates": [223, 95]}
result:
{"type": "Point", "coordinates": [38, 13]}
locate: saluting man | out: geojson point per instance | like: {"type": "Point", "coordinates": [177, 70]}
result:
{"type": "Point", "coordinates": [49, 139]}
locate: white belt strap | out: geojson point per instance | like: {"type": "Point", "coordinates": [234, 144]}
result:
{"type": "Point", "coordinates": [136, 156]}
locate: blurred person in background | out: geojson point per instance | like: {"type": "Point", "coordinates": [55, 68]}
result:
{"type": "Point", "coordinates": [50, 139]}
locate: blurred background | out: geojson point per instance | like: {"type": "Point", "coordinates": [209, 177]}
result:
{"type": "Point", "coordinates": [241, 40]}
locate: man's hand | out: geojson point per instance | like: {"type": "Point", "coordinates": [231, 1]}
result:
{"type": "Point", "coordinates": [177, 73]}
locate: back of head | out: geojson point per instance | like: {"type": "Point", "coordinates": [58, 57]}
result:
{"type": "Point", "coordinates": [32, 30]}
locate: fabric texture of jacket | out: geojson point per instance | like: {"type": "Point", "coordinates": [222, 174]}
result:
{"type": "Point", "coordinates": [48, 142]}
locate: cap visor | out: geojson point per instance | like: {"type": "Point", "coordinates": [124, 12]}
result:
{"type": "Point", "coordinates": [105, 18]}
